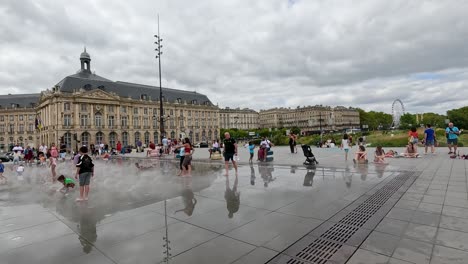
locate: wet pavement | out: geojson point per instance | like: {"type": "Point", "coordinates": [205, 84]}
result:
{"type": "Point", "coordinates": [261, 214]}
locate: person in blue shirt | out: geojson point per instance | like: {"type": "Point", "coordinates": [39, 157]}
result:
{"type": "Point", "coordinates": [251, 150]}
{"type": "Point", "coordinates": [452, 133]}
{"type": "Point", "coordinates": [429, 139]}
{"type": "Point", "coordinates": [2, 170]}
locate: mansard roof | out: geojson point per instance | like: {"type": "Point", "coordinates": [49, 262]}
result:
{"type": "Point", "coordinates": [90, 81]}
{"type": "Point", "coordinates": [19, 100]}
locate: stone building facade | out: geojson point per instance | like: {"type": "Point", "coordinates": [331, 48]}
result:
{"type": "Point", "coordinates": [244, 119]}
{"type": "Point", "coordinates": [85, 108]}
{"type": "Point", "coordinates": [17, 119]}
{"type": "Point", "coordinates": [310, 119]}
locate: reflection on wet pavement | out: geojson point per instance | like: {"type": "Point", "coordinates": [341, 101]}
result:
{"type": "Point", "coordinates": [264, 208]}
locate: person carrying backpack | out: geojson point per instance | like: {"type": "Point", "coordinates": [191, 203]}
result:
{"type": "Point", "coordinates": [84, 170]}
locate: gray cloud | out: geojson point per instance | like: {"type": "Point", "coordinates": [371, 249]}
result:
{"type": "Point", "coordinates": [258, 54]}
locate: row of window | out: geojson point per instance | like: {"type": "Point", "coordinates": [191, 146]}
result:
{"type": "Point", "coordinates": [11, 128]}
{"type": "Point", "coordinates": [111, 121]}
{"type": "Point", "coordinates": [18, 117]}
{"type": "Point", "coordinates": [124, 121]}
{"type": "Point", "coordinates": [145, 110]}
{"type": "Point", "coordinates": [87, 139]}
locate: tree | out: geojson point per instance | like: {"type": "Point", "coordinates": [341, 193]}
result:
{"type": "Point", "coordinates": [433, 119]}
{"type": "Point", "coordinates": [459, 117]}
{"type": "Point", "coordinates": [407, 121]}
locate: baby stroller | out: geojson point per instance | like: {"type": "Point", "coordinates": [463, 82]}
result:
{"type": "Point", "coordinates": [310, 158]}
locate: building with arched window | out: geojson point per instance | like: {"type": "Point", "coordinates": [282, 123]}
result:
{"type": "Point", "coordinates": [85, 108]}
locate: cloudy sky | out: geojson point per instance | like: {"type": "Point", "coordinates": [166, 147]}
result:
{"type": "Point", "coordinates": [257, 54]}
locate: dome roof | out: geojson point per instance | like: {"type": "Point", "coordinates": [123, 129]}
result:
{"type": "Point", "coordinates": [85, 55]}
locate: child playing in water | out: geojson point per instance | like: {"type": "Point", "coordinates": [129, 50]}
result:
{"type": "Point", "coordinates": [19, 171]}
{"type": "Point", "coordinates": [42, 160]}
{"type": "Point", "coordinates": [361, 155]}
{"type": "Point", "coordinates": [67, 183]}
{"type": "Point", "coordinates": [251, 150]}
{"type": "Point", "coordinates": [2, 169]}
{"type": "Point", "coordinates": [379, 155]}
{"type": "Point", "coordinates": [52, 165]}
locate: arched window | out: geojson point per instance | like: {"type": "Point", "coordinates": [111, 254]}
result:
{"type": "Point", "coordinates": [112, 139]}
{"type": "Point", "coordinates": [99, 138]}
{"type": "Point", "coordinates": [172, 135]}
{"type": "Point", "coordinates": [125, 138]}
{"type": "Point", "coordinates": [67, 139]}
{"type": "Point", "coordinates": [137, 137]}
{"type": "Point", "coordinates": [156, 138]}
{"type": "Point", "coordinates": [147, 138]}
{"type": "Point", "coordinates": [85, 139]}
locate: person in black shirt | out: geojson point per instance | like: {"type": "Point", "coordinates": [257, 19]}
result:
{"type": "Point", "coordinates": [230, 150]}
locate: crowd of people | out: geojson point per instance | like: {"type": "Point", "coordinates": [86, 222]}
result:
{"type": "Point", "coordinates": [429, 141]}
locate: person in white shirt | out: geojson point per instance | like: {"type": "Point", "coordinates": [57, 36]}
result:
{"type": "Point", "coordinates": [345, 145]}
{"type": "Point", "coordinates": [267, 143]}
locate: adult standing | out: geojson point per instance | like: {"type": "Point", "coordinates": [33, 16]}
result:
{"type": "Point", "coordinates": [84, 170]}
{"type": "Point", "coordinates": [292, 142]}
{"type": "Point", "coordinates": [28, 155]}
{"type": "Point", "coordinates": [188, 151]}
{"type": "Point", "coordinates": [42, 149]}
{"type": "Point", "coordinates": [429, 139]}
{"type": "Point", "coordinates": [230, 150]}
{"type": "Point", "coordinates": [266, 144]}
{"type": "Point", "coordinates": [452, 133]}
{"type": "Point", "coordinates": [139, 144]}
{"type": "Point", "coordinates": [164, 142]}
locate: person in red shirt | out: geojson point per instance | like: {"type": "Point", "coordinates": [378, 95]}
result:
{"type": "Point", "coordinates": [119, 147]}
{"type": "Point", "coordinates": [413, 138]}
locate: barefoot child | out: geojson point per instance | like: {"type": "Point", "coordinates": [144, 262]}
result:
{"type": "Point", "coordinates": [345, 145]}
{"type": "Point", "coordinates": [52, 165]}
{"type": "Point", "coordinates": [361, 155]}
{"type": "Point", "coordinates": [3, 179]}
{"type": "Point", "coordinates": [379, 155]}
{"type": "Point", "coordinates": [251, 150]}
{"type": "Point", "coordinates": [19, 171]}
{"type": "Point", "coordinates": [67, 183]}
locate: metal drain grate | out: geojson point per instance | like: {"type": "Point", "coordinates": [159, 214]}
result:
{"type": "Point", "coordinates": [323, 248]}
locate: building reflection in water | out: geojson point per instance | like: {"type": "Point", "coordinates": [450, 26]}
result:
{"type": "Point", "coordinates": [232, 196]}
{"type": "Point", "coordinates": [188, 197]}
{"type": "Point", "coordinates": [309, 176]}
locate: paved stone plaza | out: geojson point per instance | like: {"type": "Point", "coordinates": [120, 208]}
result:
{"type": "Point", "coordinates": [417, 212]}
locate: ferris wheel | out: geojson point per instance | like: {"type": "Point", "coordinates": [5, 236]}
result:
{"type": "Point", "coordinates": [398, 109]}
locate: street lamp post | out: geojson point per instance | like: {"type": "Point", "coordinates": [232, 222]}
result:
{"type": "Point", "coordinates": [161, 108]}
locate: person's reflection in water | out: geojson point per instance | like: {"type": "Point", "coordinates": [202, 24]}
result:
{"type": "Point", "coordinates": [293, 169]}
{"type": "Point", "coordinates": [309, 177]}
{"type": "Point", "coordinates": [265, 172]}
{"type": "Point", "coordinates": [232, 197]}
{"type": "Point", "coordinates": [348, 177]}
{"type": "Point", "coordinates": [362, 169]}
{"type": "Point", "coordinates": [380, 169]}
{"type": "Point", "coordinates": [252, 174]}
{"type": "Point", "coordinates": [188, 197]}
{"type": "Point", "coordinates": [87, 227]}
